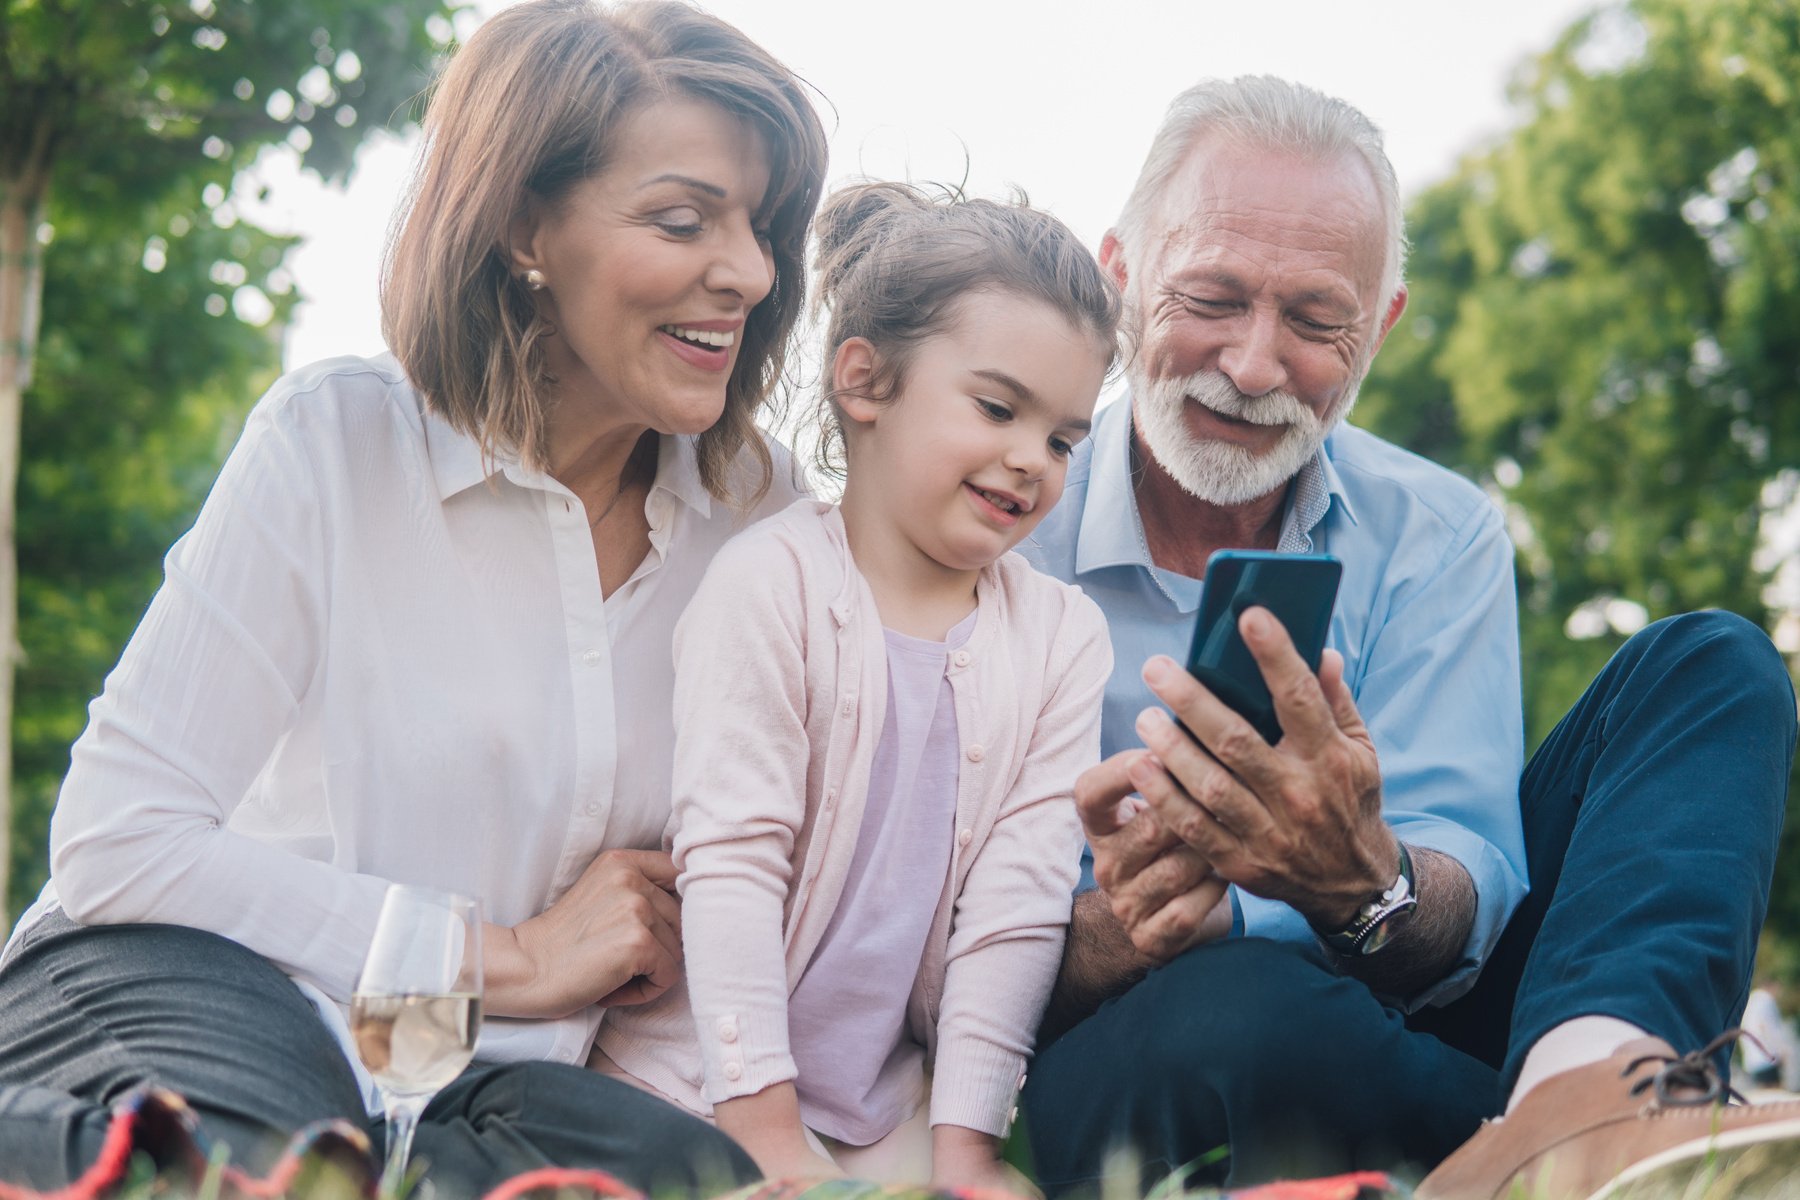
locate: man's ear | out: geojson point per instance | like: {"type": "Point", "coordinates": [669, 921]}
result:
{"type": "Point", "coordinates": [1396, 306]}
{"type": "Point", "coordinates": [853, 380]}
{"type": "Point", "coordinates": [1112, 257]}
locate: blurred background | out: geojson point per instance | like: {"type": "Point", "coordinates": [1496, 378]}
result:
{"type": "Point", "coordinates": [1604, 330]}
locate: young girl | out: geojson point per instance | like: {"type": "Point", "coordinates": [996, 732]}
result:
{"type": "Point", "coordinates": [880, 715]}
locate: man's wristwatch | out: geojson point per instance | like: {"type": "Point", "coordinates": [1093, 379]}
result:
{"type": "Point", "coordinates": [1375, 922]}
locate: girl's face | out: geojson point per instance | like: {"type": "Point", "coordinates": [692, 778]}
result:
{"type": "Point", "coordinates": [652, 266]}
{"type": "Point", "coordinates": [971, 452]}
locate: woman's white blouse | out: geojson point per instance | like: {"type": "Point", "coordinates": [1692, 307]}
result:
{"type": "Point", "coordinates": [373, 659]}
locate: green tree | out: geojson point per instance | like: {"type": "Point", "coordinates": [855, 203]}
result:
{"type": "Point", "coordinates": [123, 126]}
{"type": "Point", "coordinates": [1605, 328]}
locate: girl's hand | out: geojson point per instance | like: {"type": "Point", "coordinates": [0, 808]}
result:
{"type": "Point", "coordinates": [963, 1158]}
{"type": "Point", "coordinates": [767, 1125]}
{"type": "Point", "coordinates": [613, 938]}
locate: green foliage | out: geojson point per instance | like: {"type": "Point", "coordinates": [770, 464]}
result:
{"type": "Point", "coordinates": [145, 368]}
{"type": "Point", "coordinates": [139, 96]}
{"type": "Point", "coordinates": [139, 391]}
{"type": "Point", "coordinates": [1605, 326]}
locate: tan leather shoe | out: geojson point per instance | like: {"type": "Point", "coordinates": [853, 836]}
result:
{"type": "Point", "coordinates": [1575, 1133]}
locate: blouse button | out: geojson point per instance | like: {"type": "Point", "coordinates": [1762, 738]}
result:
{"type": "Point", "coordinates": [590, 658]}
{"type": "Point", "coordinates": [847, 709]}
{"type": "Point", "coordinates": [976, 753]}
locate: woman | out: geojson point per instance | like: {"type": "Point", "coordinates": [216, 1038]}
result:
{"type": "Point", "coordinates": [421, 631]}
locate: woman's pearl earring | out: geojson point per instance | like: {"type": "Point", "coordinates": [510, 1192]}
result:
{"type": "Point", "coordinates": [534, 279]}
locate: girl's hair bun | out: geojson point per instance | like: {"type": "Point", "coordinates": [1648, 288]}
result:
{"type": "Point", "coordinates": [854, 220]}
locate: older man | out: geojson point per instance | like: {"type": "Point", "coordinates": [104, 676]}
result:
{"type": "Point", "coordinates": [1277, 928]}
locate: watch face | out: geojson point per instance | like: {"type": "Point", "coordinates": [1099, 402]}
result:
{"type": "Point", "coordinates": [1386, 924]}
{"type": "Point", "coordinates": [1375, 922]}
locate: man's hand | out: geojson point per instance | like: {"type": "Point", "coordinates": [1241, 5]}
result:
{"type": "Point", "coordinates": [1300, 821]}
{"type": "Point", "coordinates": [1160, 888]}
{"type": "Point", "coordinates": [613, 938]}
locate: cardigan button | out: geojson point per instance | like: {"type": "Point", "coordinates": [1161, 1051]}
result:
{"type": "Point", "coordinates": [962, 658]}
{"type": "Point", "coordinates": [965, 837]}
{"type": "Point", "coordinates": [728, 1031]}
{"type": "Point", "coordinates": [734, 1070]}
{"type": "Point", "coordinates": [975, 753]}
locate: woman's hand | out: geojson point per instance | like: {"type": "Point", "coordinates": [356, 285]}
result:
{"type": "Point", "coordinates": [612, 938]}
{"type": "Point", "coordinates": [767, 1125]}
{"type": "Point", "coordinates": [965, 1158]}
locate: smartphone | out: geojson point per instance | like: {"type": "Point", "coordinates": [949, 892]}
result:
{"type": "Point", "coordinates": [1299, 589]}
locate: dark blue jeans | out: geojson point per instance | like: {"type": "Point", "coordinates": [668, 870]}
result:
{"type": "Point", "coordinates": [1652, 814]}
{"type": "Point", "coordinates": [87, 1014]}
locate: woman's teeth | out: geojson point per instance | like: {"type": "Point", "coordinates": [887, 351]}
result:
{"type": "Point", "coordinates": [714, 339]}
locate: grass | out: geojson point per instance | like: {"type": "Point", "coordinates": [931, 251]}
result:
{"type": "Point", "coordinates": [1762, 1171]}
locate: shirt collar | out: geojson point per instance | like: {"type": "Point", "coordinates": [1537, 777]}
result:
{"type": "Point", "coordinates": [678, 473]}
{"type": "Point", "coordinates": [458, 464]}
{"type": "Point", "coordinates": [1316, 487]}
{"type": "Point", "coordinates": [1112, 531]}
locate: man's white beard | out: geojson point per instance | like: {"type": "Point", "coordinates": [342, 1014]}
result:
{"type": "Point", "coordinates": [1216, 471]}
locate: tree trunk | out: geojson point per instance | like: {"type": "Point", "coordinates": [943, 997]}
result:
{"type": "Point", "coordinates": [21, 289]}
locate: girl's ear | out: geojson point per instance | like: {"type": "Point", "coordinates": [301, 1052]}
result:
{"type": "Point", "coordinates": [853, 380]}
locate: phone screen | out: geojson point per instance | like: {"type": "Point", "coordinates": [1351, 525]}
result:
{"type": "Point", "coordinates": [1299, 589]}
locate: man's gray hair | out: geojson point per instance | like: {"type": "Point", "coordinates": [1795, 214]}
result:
{"type": "Point", "coordinates": [1273, 114]}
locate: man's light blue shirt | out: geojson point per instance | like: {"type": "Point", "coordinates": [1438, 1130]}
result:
{"type": "Point", "coordinates": [1425, 619]}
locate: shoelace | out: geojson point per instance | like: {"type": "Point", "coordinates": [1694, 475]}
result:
{"type": "Point", "coordinates": [1694, 1070]}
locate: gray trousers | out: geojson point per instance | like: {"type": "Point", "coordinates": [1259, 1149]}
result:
{"type": "Point", "coordinates": [89, 1013]}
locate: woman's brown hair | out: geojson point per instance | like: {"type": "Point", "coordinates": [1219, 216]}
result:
{"type": "Point", "coordinates": [892, 260]}
{"type": "Point", "coordinates": [527, 109]}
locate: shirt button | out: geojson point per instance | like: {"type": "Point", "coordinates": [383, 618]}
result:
{"type": "Point", "coordinates": [848, 708]}
{"type": "Point", "coordinates": [976, 753]}
{"type": "Point", "coordinates": [590, 658]}
{"type": "Point", "coordinates": [734, 1071]}
{"type": "Point", "coordinates": [961, 658]}
{"type": "Point", "coordinates": [728, 1030]}
{"type": "Point", "coordinates": [593, 808]}
{"type": "Point", "coordinates": [965, 837]}
{"type": "Point", "coordinates": [830, 798]}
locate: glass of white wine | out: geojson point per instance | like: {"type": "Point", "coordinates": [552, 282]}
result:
{"type": "Point", "coordinates": [416, 1011]}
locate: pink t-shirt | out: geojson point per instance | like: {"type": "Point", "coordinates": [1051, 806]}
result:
{"type": "Point", "coordinates": [858, 1067]}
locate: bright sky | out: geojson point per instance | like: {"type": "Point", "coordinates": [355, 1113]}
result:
{"type": "Point", "coordinates": [1056, 97]}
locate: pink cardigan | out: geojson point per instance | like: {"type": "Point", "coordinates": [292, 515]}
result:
{"type": "Point", "coordinates": [780, 692]}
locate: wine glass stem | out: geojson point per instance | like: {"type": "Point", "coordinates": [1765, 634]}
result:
{"type": "Point", "coordinates": [402, 1120]}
